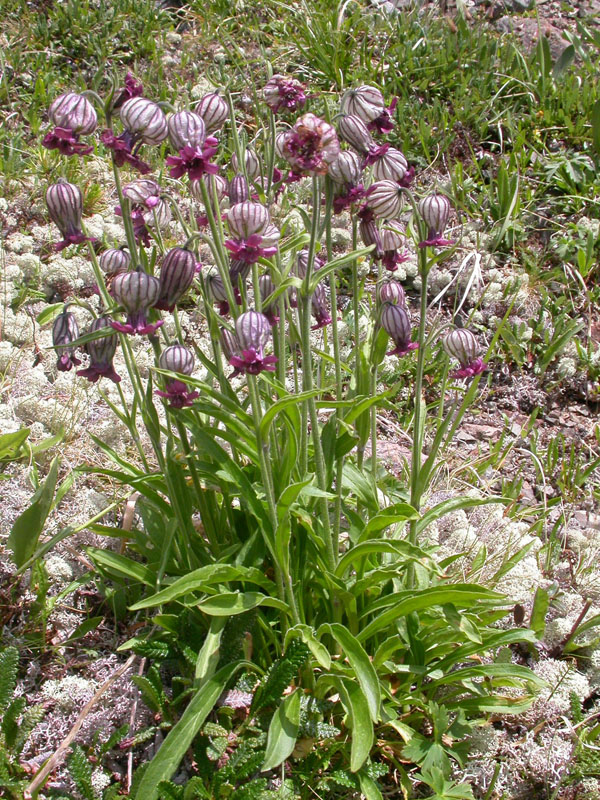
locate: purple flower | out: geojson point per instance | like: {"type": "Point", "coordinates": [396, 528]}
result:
{"type": "Point", "coordinates": [72, 115]}
{"type": "Point", "coordinates": [391, 291]}
{"type": "Point", "coordinates": [253, 331]}
{"type": "Point", "coordinates": [137, 292]}
{"type": "Point", "coordinates": [122, 147]}
{"type": "Point", "coordinates": [250, 250]}
{"type": "Point", "coordinates": [65, 331]}
{"type": "Point", "coordinates": [214, 110]}
{"type": "Point", "coordinates": [462, 345]}
{"type": "Point", "coordinates": [310, 146]}
{"type": "Point", "coordinates": [101, 353]}
{"type": "Point", "coordinates": [365, 102]}
{"type": "Point", "coordinates": [218, 295]}
{"type": "Point", "coordinates": [66, 142]}
{"type": "Point", "coordinates": [284, 94]}
{"type": "Point", "coordinates": [385, 199]}
{"type": "Point", "coordinates": [65, 206]}
{"type": "Point", "coordinates": [266, 288]}
{"type": "Point", "coordinates": [320, 309]}
{"type": "Point", "coordinates": [254, 236]}
{"type": "Point", "coordinates": [177, 358]}
{"type": "Point", "coordinates": [131, 89]}
{"type": "Point", "coordinates": [194, 160]}
{"type": "Point", "coordinates": [435, 210]}
{"type": "Point", "coordinates": [396, 323]}
{"type": "Point", "coordinates": [384, 123]}
{"type": "Point", "coordinates": [144, 119]}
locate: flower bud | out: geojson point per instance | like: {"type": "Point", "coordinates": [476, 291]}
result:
{"type": "Point", "coordinates": [101, 353]}
{"type": "Point", "coordinates": [346, 168]}
{"type": "Point", "coordinates": [75, 112]}
{"type": "Point", "coordinates": [392, 235]}
{"type": "Point", "coordinates": [229, 343]}
{"type": "Point", "coordinates": [435, 210]}
{"type": "Point", "coordinates": [253, 331]}
{"type": "Point", "coordinates": [186, 129]}
{"type": "Point", "coordinates": [391, 166]}
{"type": "Point", "coordinates": [396, 323]}
{"type": "Point", "coordinates": [136, 292]}
{"type": "Point", "coordinates": [247, 218]}
{"type": "Point", "coordinates": [65, 206]}
{"type": "Point", "coordinates": [462, 345]}
{"type": "Point", "coordinates": [144, 119]}
{"type": "Point", "coordinates": [320, 308]}
{"type": "Point", "coordinates": [176, 276]}
{"type": "Point", "coordinates": [143, 192]}
{"type": "Point", "coordinates": [370, 234]}
{"type": "Point", "coordinates": [385, 199]}
{"type": "Point", "coordinates": [177, 358]}
{"type": "Point", "coordinates": [266, 288]}
{"type": "Point", "coordinates": [214, 110]}
{"type": "Point", "coordinates": [365, 102]}
{"type": "Point", "coordinates": [64, 331]}
{"type": "Point", "coordinates": [354, 131]}
{"type": "Point", "coordinates": [220, 184]}
{"type": "Point", "coordinates": [252, 164]}
{"type": "Point", "coordinates": [114, 261]}
{"type": "Point", "coordinates": [159, 216]}
{"type": "Point", "coordinates": [392, 292]}
{"type": "Point", "coordinates": [238, 190]}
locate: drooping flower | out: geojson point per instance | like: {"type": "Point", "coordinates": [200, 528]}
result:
{"type": "Point", "coordinates": [354, 131]}
{"type": "Point", "coordinates": [345, 172]}
{"type": "Point", "coordinates": [310, 146]}
{"type": "Point", "coordinates": [65, 206]}
{"type": "Point", "coordinates": [284, 94]}
{"type": "Point", "coordinates": [391, 291]}
{"type": "Point", "coordinates": [393, 166]}
{"type": "Point", "coordinates": [251, 162]}
{"type": "Point", "coordinates": [254, 236]}
{"type": "Point", "coordinates": [365, 102]}
{"type": "Point", "coordinates": [217, 293]}
{"type": "Point", "coordinates": [177, 358]}
{"type": "Point", "coordinates": [392, 240]}
{"type": "Point", "coordinates": [101, 353]}
{"type": "Point", "coordinates": [384, 122]}
{"type": "Point", "coordinates": [72, 116]}
{"type": "Point", "coordinates": [148, 208]}
{"type": "Point", "coordinates": [144, 123]}
{"type": "Point", "coordinates": [214, 110]}
{"type": "Point", "coordinates": [395, 320]}
{"type": "Point", "coordinates": [435, 210]}
{"type": "Point", "coordinates": [113, 261]}
{"type": "Point", "coordinates": [131, 89]}
{"type": "Point", "coordinates": [462, 345]}
{"type": "Point", "coordinates": [371, 235]}
{"type": "Point", "coordinates": [253, 331]}
{"type": "Point", "coordinates": [123, 150]}
{"type": "Point", "coordinates": [385, 199]}
{"type": "Point", "coordinates": [320, 308]}
{"type": "Point", "coordinates": [187, 134]}
{"type": "Point", "coordinates": [238, 190]}
{"type": "Point", "coordinates": [177, 273]}
{"type": "Point", "coordinates": [65, 331]}
{"type": "Point", "coordinates": [137, 292]}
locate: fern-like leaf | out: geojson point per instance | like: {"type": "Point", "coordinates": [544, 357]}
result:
{"type": "Point", "coordinates": [80, 770]}
{"type": "Point", "coordinates": [169, 791]}
{"type": "Point", "coordinates": [195, 790]}
{"type": "Point", "coordinates": [9, 660]}
{"type": "Point", "coordinates": [149, 694]}
{"type": "Point", "coordinates": [29, 720]}
{"type": "Point", "coordinates": [10, 725]}
{"type": "Point", "coordinates": [280, 675]}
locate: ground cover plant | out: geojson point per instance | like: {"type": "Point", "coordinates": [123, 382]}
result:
{"type": "Point", "coordinates": [319, 290]}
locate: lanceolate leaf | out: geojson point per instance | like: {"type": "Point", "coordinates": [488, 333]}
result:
{"type": "Point", "coordinates": [229, 603]}
{"type": "Point", "coordinates": [360, 663]}
{"type": "Point", "coordinates": [357, 709]}
{"type": "Point", "coordinates": [28, 526]}
{"type": "Point", "coordinates": [283, 731]}
{"type": "Point", "coordinates": [172, 750]}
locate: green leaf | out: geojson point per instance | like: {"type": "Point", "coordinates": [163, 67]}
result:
{"type": "Point", "coordinates": [308, 636]}
{"type": "Point", "coordinates": [455, 504]}
{"type": "Point", "coordinates": [180, 737]}
{"type": "Point", "coordinates": [368, 787]}
{"type": "Point", "coordinates": [11, 443]}
{"type": "Point", "coordinates": [281, 405]}
{"type": "Point", "coordinates": [29, 525]}
{"type": "Point", "coordinates": [49, 313]}
{"type": "Point", "coordinates": [283, 732]}
{"type": "Point", "coordinates": [371, 547]}
{"type": "Point", "coordinates": [80, 631]}
{"type": "Point", "coordinates": [122, 566]}
{"type": "Point", "coordinates": [336, 263]}
{"type": "Point", "coordinates": [9, 660]}
{"type": "Point", "coordinates": [563, 62]}
{"type": "Point", "coordinates": [596, 126]}
{"type": "Point", "coordinates": [360, 663]}
{"type": "Point", "coordinates": [357, 709]}
{"type": "Point", "coordinates": [230, 603]}
{"type": "Point", "coordinates": [209, 654]}
{"type": "Point", "coordinates": [198, 579]}
{"type": "Point", "coordinates": [462, 595]}
{"type": "Point", "coordinates": [541, 603]}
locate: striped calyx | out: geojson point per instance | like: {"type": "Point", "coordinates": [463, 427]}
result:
{"type": "Point", "coordinates": [177, 358]}
{"type": "Point", "coordinates": [186, 129]}
{"type": "Point", "coordinates": [364, 102]}
{"type": "Point", "coordinates": [73, 111]}
{"type": "Point", "coordinates": [144, 119]}
{"type": "Point", "coordinates": [253, 331]}
{"type": "Point", "coordinates": [136, 291]}
{"type": "Point", "coordinates": [354, 131]}
{"type": "Point", "coordinates": [392, 292]}
{"type": "Point", "coordinates": [65, 206]}
{"type": "Point", "coordinates": [346, 168]}
{"type": "Point", "coordinates": [391, 166]}
{"type": "Point", "coordinates": [435, 210]}
{"type": "Point", "coordinates": [247, 218]}
{"type": "Point", "coordinates": [176, 276]}
{"type": "Point", "coordinates": [462, 345]}
{"type": "Point", "coordinates": [113, 261]}
{"type": "Point", "coordinates": [214, 111]}
{"type": "Point", "coordinates": [385, 199]}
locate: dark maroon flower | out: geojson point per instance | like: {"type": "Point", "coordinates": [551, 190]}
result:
{"type": "Point", "coordinates": [101, 352]}
{"type": "Point", "coordinates": [218, 295]}
{"type": "Point", "coordinates": [310, 146]}
{"type": "Point", "coordinates": [177, 358]}
{"type": "Point", "coordinates": [65, 331]}
{"type": "Point", "coordinates": [349, 197]}
{"type": "Point", "coordinates": [266, 288]}
{"type": "Point", "coordinates": [66, 142]}
{"type": "Point", "coordinates": [320, 309]}
{"type": "Point", "coordinates": [396, 323]}
{"type": "Point", "coordinates": [253, 331]}
{"type": "Point", "coordinates": [137, 292]}
{"type": "Point", "coordinates": [435, 210]}
{"type": "Point", "coordinates": [194, 160]}
{"type": "Point", "coordinates": [391, 291]}
{"type": "Point", "coordinates": [123, 153]}
{"type": "Point", "coordinates": [65, 206]}
{"type": "Point", "coordinates": [251, 249]}
{"type": "Point", "coordinates": [284, 94]}
{"type": "Point", "coordinates": [131, 89]}
{"type": "Point", "coordinates": [462, 344]}
{"type": "Point", "coordinates": [384, 122]}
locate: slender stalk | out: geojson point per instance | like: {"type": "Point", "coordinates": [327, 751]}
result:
{"type": "Point", "coordinates": [126, 217]}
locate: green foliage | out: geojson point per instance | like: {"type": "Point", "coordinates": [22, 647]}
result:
{"type": "Point", "coordinates": [280, 675]}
